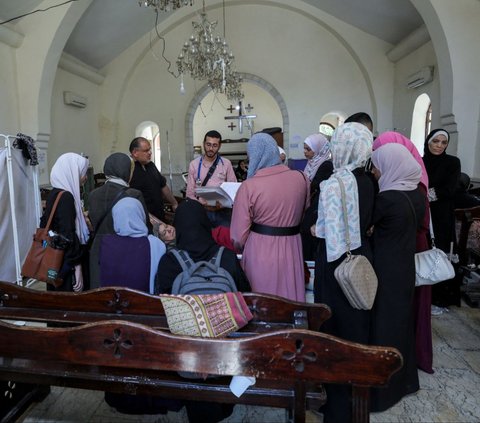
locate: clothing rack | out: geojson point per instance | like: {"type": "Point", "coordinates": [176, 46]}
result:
{"type": "Point", "coordinates": [8, 140]}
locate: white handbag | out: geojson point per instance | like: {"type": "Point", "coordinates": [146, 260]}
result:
{"type": "Point", "coordinates": [355, 274]}
{"type": "Point", "coordinates": [431, 266]}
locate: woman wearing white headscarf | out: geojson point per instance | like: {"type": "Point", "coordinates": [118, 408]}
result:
{"type": "Point", "coordinates": [67, 174]}
{"type": "Point", "coordinates": [130, 257]}
{"type": "Point", "coordinates": [266, 217]}
{"type": "Point", "coordinates": [351, 147]}
{"type": "Point", "coordinates": [319, 167]}
{"type": "Point", "coordinates": [399, 211]}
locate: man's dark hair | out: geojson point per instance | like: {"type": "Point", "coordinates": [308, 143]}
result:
{"type": "Point", "coordinates": [360, 117]}
{"type": "Point", "coordinates": [136, 143]}
{"type": "Point", "coordinates": [213, 134]}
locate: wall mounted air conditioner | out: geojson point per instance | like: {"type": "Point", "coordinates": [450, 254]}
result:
{"type": "Point", "coordinates": [74, 100]}
{"type": "Point", "coordinates": [421, 77]}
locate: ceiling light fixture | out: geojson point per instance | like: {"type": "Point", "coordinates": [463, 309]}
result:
{"type": "Point", "coordinates": [205, 56]}
{"type": "Point", "coordinates": [165, 5]}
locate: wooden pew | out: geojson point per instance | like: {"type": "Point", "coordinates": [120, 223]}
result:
{"type": "Point", "coordinates": [466, 218]}
{"type": "Point", "coordinates": [114, 353]}
{"type": "Point", "coordinates": [269, 312]}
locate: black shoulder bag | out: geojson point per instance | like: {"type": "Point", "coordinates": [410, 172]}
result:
{"type": "Point", "coordinates": [210, 171]}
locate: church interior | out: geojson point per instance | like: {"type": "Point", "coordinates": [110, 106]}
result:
{"type": "Point", "coordinates": [88, 76]}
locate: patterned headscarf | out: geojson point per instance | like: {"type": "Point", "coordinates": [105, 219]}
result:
{"type": "Point", "coordinates": [262, 152]}
{"type": "Point", "coordinates": [392, 137]}
{"type": "Point", "coordinates": [66, 174]}
{"type": "Point", "coordinates": [398, 168]}
{"type": "Point", "coordinates": [351, 146]}
{"type": "Point", "coordinates": [321, 149]}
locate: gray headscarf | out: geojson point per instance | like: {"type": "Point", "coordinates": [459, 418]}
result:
{"type": "Point", "coordinates": [262, 152]}
{"type": "Point", "coordinates": [118, 168]}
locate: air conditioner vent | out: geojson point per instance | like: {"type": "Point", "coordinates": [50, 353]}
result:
{"type": "Point", "coordinates": [420, 78]}
{"type": "Point", "coordinates": [74, 100]}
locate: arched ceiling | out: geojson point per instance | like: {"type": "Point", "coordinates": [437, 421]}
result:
{"type": "Point", "coordinates": [108, 27]}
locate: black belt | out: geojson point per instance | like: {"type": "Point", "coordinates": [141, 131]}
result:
{"type": "Point", "coordinates": [275, 230]}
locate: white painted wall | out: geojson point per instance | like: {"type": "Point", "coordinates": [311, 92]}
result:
{"type": "Point", "coordinates": [74, 129]}
{"type": "Point", "coordinates": [9, 124]}
{"type": "Point", "coordinates": [405, 98]}
{"type": "Point", "coordinates": [213, 110]}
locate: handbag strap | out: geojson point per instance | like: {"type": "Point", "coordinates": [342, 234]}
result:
{"type": "Point", "coordinates": [345, 218]}
{"type": "Point", "coordinates": [110, 207]}
{"type": "Point", "coordinates": [210, 171]}
{"type": "Point", "coordinates": [52, 212]}
{"type": "Point", "coordinates": [432, 236]}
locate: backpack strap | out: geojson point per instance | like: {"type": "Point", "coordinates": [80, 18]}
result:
{"type": "Point", "coordinates": [217, 258]}
{"type": "Point", "coordinates": [183, 258]}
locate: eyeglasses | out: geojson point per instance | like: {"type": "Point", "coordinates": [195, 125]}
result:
{"type": "Point", "coordinates": [209, 145]}
{"type": "Point", "coordinates": [436, 141]}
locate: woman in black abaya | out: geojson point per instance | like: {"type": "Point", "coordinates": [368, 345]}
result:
{"type": "Point", "coordinates": [399, 211]}
{"type": "Point", "coordinates": [443, 173]}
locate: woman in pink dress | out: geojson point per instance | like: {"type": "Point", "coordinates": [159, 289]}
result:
{"type": "Point", "coordinates": [266, 221]}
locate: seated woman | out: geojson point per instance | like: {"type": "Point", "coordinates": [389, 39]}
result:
{"type": "Point", "coordinates": [194, 235]}
{"type": "Point", "coordinates": [241, 171]}
{"type": "Point", "coordinates": [130, 257]}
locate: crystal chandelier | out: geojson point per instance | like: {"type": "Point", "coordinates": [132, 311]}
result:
{"type": "Point", "coordinates": [165, 5]}
{"type": "Point", "coordinates": [205, 56]}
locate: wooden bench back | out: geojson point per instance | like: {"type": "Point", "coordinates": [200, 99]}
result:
{"type": "Point", "coordinates": [269, 312]}
{"type": "Point", "coordinates": [293, 354]}
{"type": "Point", "coordinates": [465, 217]}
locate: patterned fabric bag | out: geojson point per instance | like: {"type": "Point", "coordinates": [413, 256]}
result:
{"type": "Point", "coordinates": [206, 316]}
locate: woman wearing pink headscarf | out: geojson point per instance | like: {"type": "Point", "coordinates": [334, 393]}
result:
{"type": "Point", "coordinates": [399, 211]}
{"type": "Point", "coordinates": [423, 294]}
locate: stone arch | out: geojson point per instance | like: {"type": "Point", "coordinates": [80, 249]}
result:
{"type": "Point", "coordinates": [445, 71]}
{"type": "Point", "coordinates": [202, 92]}
{"type": "Point", "coordinates": [66, 25]}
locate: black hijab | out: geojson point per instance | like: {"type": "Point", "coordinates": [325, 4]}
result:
{"type": "Point", "coordinates": [194, 231]}
{"type": "Point", "coordinates": [118, 165]}
{"type": "Point", "coordinates": [435, 164]}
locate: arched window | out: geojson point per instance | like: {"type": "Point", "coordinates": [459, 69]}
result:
{"type": "Point", "coordinates": [331, 121]}
{"type": "Point", "coordinates": [421, 121]}
{"type": "Point", "coordinates": [150, 131]}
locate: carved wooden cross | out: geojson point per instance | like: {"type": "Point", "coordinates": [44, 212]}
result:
{"type": "Point", "coordinates": [241, 117]}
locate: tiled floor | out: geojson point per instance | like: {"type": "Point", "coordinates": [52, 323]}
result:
{"type": "Point", "coordinates": [452, 394]}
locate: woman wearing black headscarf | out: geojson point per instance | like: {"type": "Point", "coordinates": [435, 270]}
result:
{"type": "Point", "coordinates": [443, 173]}
{"type": "Point", "coordinates": [194, 235]}
{"type": "Point", "coordinates": [118, 169]}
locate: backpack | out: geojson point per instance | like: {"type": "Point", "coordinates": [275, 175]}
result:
{"type": "Point", "coordinates": [202, 277]}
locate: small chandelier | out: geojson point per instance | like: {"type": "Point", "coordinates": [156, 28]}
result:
{"type": "Point", "coordinates": [165, 5]}
{"type": "Point", "coordinates": [205, 56]}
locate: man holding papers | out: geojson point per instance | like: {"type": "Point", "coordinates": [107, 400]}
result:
{"type": "Point", "coordinates": [211, 170]}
